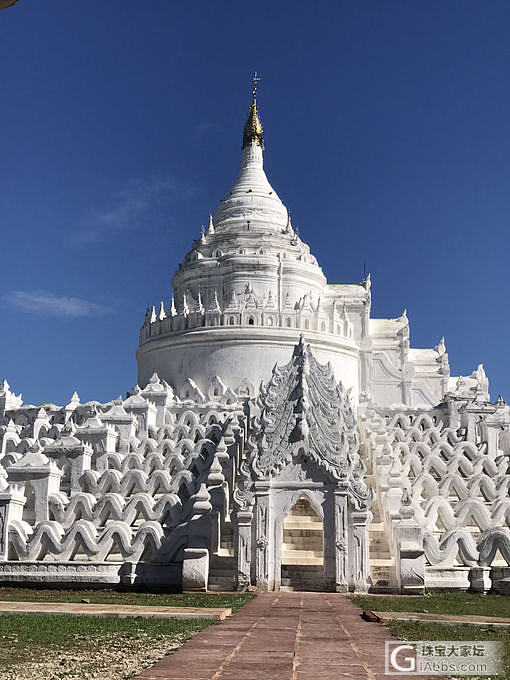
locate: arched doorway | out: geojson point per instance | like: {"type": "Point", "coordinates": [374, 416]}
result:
{"type": "Point", "coordinates": [302, 563]}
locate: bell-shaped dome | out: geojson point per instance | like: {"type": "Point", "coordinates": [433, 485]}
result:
{"type": "Point", "coordinates": [252, 199]}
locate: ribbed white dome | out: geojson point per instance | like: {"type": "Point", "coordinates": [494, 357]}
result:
{"type": "Point", "coordinates": [251, 198]}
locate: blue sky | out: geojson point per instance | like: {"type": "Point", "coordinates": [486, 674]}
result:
{"type": "Point", "coordinates": [387, 136]}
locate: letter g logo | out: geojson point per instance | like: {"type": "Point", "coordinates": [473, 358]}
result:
{"type": "Point", "coordinates": [411, 661]}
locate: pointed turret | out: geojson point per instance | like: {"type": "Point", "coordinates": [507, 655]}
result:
{"type": "Point", "coordinates": [185, 307]}
{"type": "Point", "coordinates": [216, 304]}
{"type": "Point", "coordinates": [173, 310]}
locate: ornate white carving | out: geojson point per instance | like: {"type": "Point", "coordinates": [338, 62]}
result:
{"type": "Point", "coordinates": [304, 410]}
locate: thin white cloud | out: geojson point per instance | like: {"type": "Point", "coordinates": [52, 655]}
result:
{"type": "Point", "coordinates": [42, 302]}
{"type": "Point", "coordinates": [139, 203]}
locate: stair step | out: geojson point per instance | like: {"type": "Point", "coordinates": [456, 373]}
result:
{"type": "Point", "coordinates": [302, 544]}
{"type": "Point", "coordinates": [222, 563]}
{"type": "Point", "coordinates": [384, 562]}
{"type": "Point", "coordinates": [302, 587]}
{"type": "Point", "coordinates": [221, 573]}
{"type": "Point", "coordinates": [302, 523]}
{"type": "Point", "coordinates": [296, 552]}
{"type": "Point", "coordinates": [302, 577]}
{"type": "Point", "coordinates": [304, 568]}
{"type": "Point", "coordinates": [220, 581]}
{"type": "Point", "coordinates": [303, 531]}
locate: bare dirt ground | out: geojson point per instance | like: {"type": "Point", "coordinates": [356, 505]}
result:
{"type": "Point", "coordinates": [114, 657]}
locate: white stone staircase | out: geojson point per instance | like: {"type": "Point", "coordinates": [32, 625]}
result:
{"type": "Point", "coordinates": [302, 577]}
{"type": "Point", "coordinates": [382, 564]}
{"type": "Point", "coordinates": [302, 554]}
{"type": "Point", "coordinates": [302, 549]}
{"type": "Point", "coordinates": [222, 564]}
{"type": "Point", "coordinates": [221, 574]}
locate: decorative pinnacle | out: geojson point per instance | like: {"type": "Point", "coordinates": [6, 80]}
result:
{"type": "Point", "coordinates": [256, 81]}
{"type": "Point", "coordinates": [253, 131]}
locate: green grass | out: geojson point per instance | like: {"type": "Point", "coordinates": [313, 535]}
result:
{"type": "Point", "coordinates": [438, 603]}
{"type": "Point", "coordinates": [64, 647]}
{"type": "Point", "coordinates": [66, 630]}
{"type": "Point", "coordinates": [444, 603]}
{"type": "Point", "coordinates": [409, 630]}
{"type": "Point", "coordinates": [78, 647]}
{"type": "Point", "coordinates": [235, 601]}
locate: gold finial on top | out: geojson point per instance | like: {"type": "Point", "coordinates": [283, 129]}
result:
{"type": "Point", "coordinates": [253, 131]}
{"type": "Point", "coordinates": [256, 80]}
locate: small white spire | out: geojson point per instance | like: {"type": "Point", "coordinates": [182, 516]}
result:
{"type": "Point", "coordinates": [185, 305]}
{"type": "Point", "coordinates": [153, 314]}
{"type": "Point", "coordinates": [288, 228]}
{"type": "Point", "coordinates": [287, 304]}
{"type": "Point", "coordinates": [441, 347]}
{"type": "Point", "coordinates": [210, 227]}
{"type": "Point", "coordinates": [75, 400]}
{"type": "Point", "coordinates": [233, 300]}
{"type": "Point", "coordinates": [162, 314]}
{"type": "Point", "coordinates": [217, 307]}
{"type": "Point", "coordinates": [173, 311]}
{"type": "Point", "coordinates": [202, 234]}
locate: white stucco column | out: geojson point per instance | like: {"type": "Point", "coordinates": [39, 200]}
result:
{"type": "Point", "coordinates": [11, 508]}
{"type": "Point", "coordinates": [242, 548]}
{"type": "Point", "coordinates": [359, 554]}
{"type": "Point", "coordinates": [341, 543]}
{"type": "Point", "coordinates": [263, 541]}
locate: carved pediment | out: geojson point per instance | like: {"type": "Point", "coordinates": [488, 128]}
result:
{"type": "Point", "coordinates": [305, 412]}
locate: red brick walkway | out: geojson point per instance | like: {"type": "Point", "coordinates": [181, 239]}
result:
{"type": "Point", "coordinates": [285, 636]}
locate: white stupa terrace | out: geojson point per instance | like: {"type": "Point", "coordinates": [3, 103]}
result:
{"type": "Point", "coordinates": [278, 437]}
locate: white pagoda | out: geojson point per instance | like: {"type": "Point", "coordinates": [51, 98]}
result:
{"type": "Point", "coordinates": [278, 437]}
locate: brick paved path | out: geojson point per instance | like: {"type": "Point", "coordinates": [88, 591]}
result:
{"type": "Point", "coordinates": [285, 636]}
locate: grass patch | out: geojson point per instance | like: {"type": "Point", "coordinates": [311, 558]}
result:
{"type": "Point", "coordinates": [55, 647]}
{"type": "Point", "coordinates": [65, 629]}
{"type": "Point", "coordinates": [235, 600]}
{"type": "Point", "coordinates": [409, 630]}
{"type": "Point", "coordinates": [438, 603]}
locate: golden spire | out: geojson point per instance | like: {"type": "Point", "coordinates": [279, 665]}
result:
{"type": "Point", "coordinates": [253, 131]}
